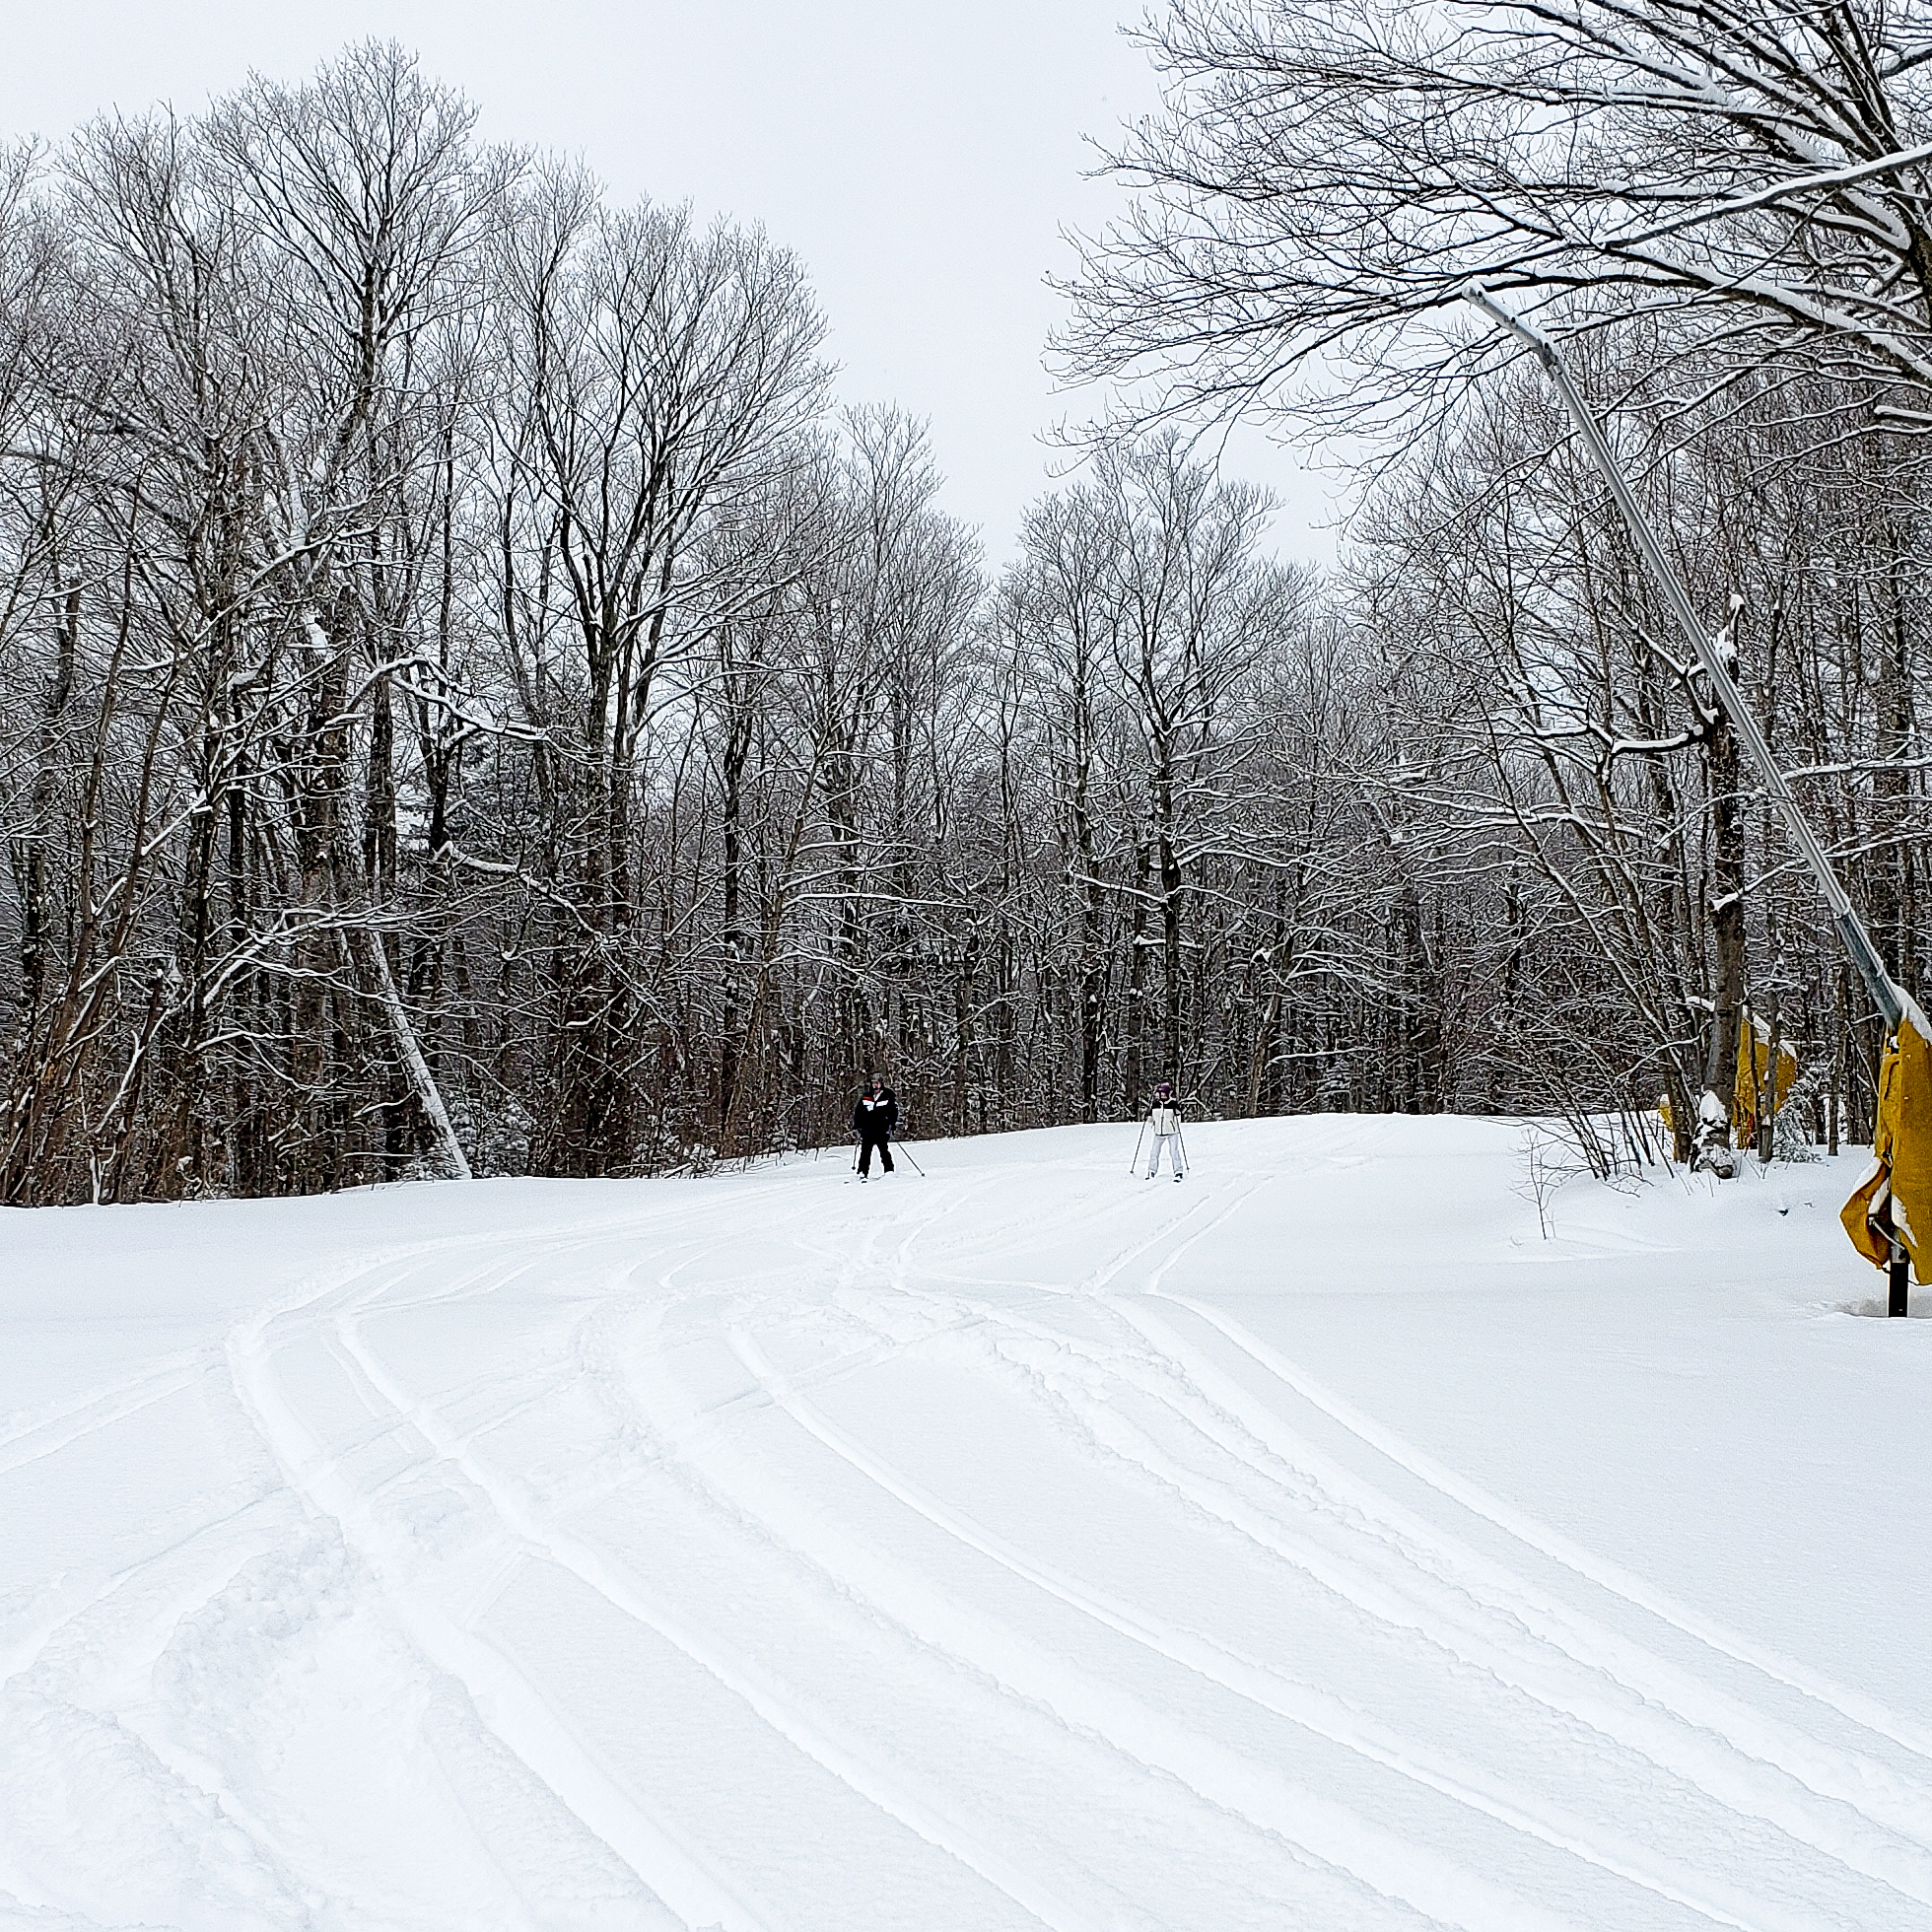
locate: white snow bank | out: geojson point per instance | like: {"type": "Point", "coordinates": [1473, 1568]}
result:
{"type": "Point", "coordinates": [1309, 1545]}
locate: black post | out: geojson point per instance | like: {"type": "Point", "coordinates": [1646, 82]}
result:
{"type": "Point", "coordinates": [1902, 1277]}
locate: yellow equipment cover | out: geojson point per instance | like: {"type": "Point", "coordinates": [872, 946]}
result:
{"type": "Point", "coordinates": [1897, 1192]}
{"type": "Point", "coordinates": [1754, 1056]}
{"type": "Point", "coordinates": [1754, 1062]}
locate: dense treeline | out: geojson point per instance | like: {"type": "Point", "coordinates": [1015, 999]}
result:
{"type": "Point", "coordinates": [469, 699]}
{"type": "Point", "coordinates": [1726, 214]}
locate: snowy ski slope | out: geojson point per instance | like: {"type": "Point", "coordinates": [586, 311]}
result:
{"type": "Point", "coordinates": [1310, 1545]}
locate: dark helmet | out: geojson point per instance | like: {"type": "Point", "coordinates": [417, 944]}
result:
{"type": "Point", "coordinates": [1163, 1089]}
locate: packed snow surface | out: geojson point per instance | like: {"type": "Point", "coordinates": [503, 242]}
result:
{"type": "Point", "coordinates": [1308, 1545]}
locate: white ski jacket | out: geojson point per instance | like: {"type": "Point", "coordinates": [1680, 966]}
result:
{"type": "Point", "coordinates": [1165, 1120]}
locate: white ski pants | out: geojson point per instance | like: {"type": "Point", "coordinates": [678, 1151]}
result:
{"type": "Point", "coordinates": [1172, 1142]}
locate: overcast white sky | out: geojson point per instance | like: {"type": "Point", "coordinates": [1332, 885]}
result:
{"type": "Point", "coordinates": [920, 157]}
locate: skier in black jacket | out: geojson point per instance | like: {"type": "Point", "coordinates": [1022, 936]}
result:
{"type": "Point", "coordinates": [872, 1120]}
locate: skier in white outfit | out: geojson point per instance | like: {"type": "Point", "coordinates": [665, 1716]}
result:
{"type": "Point", "coordinates": [1165, 1120]}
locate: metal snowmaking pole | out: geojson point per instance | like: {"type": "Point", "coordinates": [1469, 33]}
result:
{"type": "Point", "coordinates": [1856, 941]}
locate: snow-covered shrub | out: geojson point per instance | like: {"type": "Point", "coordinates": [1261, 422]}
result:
{"type": "Point", "coordinates": [1791, 1134]}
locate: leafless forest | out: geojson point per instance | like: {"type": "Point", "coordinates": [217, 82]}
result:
{"type": "Point", "coordinates": [474, 698]}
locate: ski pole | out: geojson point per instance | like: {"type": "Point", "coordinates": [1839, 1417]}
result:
{"type": "Point", "coordinates": [1133, 1165]}
{"type": "Point", "coordinates": [916, 1168]}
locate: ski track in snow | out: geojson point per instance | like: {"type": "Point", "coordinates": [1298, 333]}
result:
{"type": "Point", "coordinates": [1863, 1711]}
{"type": "Point", "coordinates": [1304, 1706]}
{"type": "Point", "coordinates": [1690, 1714]}
{"type": "Point", "coordinates": [759, 1555]}
{"type": "Point", "coordinates": [48, 1432]}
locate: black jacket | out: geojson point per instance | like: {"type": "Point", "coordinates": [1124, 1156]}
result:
{"type": "Point", "coordinates": [874, 1119]}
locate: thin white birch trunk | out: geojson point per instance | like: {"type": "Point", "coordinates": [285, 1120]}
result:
{"type": "Point", "coordinates": [420, 1077]}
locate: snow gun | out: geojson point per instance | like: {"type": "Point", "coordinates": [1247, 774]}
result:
{"type": "Point", "coordinates": [1896, 1194]}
